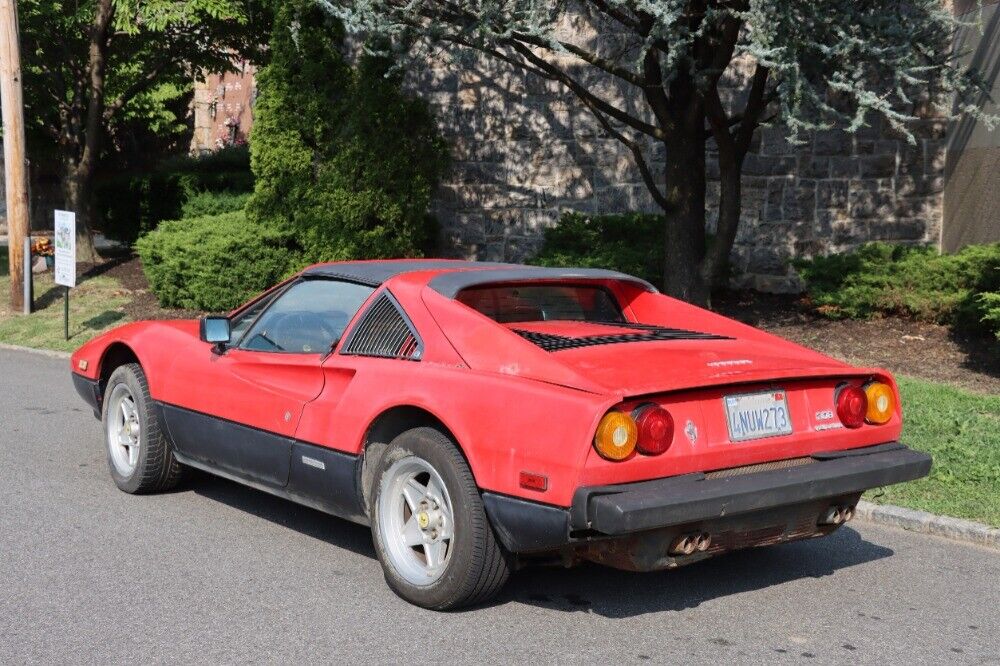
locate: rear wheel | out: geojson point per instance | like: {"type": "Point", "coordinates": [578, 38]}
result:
{"type": "Point", "coordinates": [140, 457]}
{"type": "Point", "coordinates": [430, 529]}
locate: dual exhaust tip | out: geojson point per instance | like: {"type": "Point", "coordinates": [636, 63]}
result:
{"type": "Point", "coordinates": [836, 515]}
{"type": "Point", "coordinates": [688, 544]}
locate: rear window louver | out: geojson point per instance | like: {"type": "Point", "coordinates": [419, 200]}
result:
{"type": "Point", "coordinates": [384, 331]}
{"type": "Point", "coordinates": [552, 343]}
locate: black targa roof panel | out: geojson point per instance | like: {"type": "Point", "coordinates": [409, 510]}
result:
{"type": "Point", "coordinates": [449, 284]}
{"type": "Point", "coordinates": [374, 273]}
{"type": "Point", "coordinates": [462, 274]}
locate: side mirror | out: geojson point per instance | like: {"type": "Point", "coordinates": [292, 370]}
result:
{"type": "Point", "coordinates": [216, 331]}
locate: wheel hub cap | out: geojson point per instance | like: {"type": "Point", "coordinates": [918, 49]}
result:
{"type": "Point", "coordinates": [416, 520]}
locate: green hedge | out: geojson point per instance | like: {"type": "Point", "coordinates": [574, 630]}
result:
{"type": "Point", "coordinates": [215, 262]}
{"type": "Point", "coordinates": [132, 203]}
{"type": "Point", "coordinates": [213, 203]}
{"type": "Point", "coordinates": [631, 243]}
{"type": "Point", "coordinates": [341, 154]}
{"type": "Point", "coordinates": [961, 289]}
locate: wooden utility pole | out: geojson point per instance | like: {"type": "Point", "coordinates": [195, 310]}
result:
{"type": "Point", "coordinates": [15, 163]}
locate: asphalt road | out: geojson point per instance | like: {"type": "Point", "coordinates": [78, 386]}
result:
{"type": "Point", "coordinates": [217, 573]}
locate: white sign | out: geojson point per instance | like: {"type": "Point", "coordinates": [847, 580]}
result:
{"type": "Point", "coordinates": [66, 248]}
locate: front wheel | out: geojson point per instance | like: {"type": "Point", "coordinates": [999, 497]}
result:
{"type": "Point", "coordinates": [140, 456]}
{"type": "Point", "coordinates": [430, 529]}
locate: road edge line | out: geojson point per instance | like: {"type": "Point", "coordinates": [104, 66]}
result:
{"type": "Point", "coordinates": [928, 523]}
{"type": "Point", "coordinates": [51, 353]}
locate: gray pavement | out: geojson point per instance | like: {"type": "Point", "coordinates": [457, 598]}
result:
{"type": "Point", "coordinates": [217, 573]}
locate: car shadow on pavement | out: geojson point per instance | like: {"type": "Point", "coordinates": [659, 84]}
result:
{"type": "Point", "coordinates": [611, 593]}
{"type": "Point", "coordinates": [587, 588]}
{"type": "Point", "coordinates": [310, 522]}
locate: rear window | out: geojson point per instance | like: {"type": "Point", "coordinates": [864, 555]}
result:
{"type": "Point", "coordinates": [519, 303]}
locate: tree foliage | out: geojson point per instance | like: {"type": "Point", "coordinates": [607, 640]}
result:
{"type": "Point", "coordinates": [807, 64]}
{"type": "Point", "coordinates": [340, 155]}
{"type": "Point", "coordinates": [92, 67]}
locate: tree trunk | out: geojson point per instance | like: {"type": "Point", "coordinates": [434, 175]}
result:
{"type": "Point", "coordinates": [715, 268]}
{"type": "Point", "coordinates": [78, 174]}
{"type": "Point", "coordinates": [78, 197]}
{"type": "Point", "coordinates": [685, 227]}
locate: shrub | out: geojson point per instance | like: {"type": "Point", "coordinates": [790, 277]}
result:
{"type": "Point", "coordinates": [340, 155]}
{"type": "Point", "coordinates": [627, 243]}
{"type": "Point", "coordinates": [215, 262]}
{"type": "Point", "coordinates": [132, 203]}
{"type": "Point", "coordinates": [213, 203]}
{"type": "Point", "coordinates": [881, 279]}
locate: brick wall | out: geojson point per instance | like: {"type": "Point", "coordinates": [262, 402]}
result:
{"type": "Point", "coordinates": [223, 108]}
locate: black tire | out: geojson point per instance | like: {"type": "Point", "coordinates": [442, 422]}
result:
{"type": "Point", "coordinates": [477, 566]}
{"type": "Point", "coordinates": [156, 469]}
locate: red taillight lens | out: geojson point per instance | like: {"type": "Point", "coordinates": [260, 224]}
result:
{"type": "Point", "coordinates": [656, 429]}
{"type": "Point", "coordinates": [852, 405]}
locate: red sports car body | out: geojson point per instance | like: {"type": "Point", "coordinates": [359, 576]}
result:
{"type": "Point", "coordinates": [598, 418]}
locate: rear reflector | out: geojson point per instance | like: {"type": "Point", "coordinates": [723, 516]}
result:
{"type": "Point", "coordinates": [533, 481]}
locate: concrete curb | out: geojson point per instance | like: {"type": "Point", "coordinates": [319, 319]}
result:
{"type": "Point", "coordinates": [929, 523]}
{"type": "Point", "coordinates": [51, 353]}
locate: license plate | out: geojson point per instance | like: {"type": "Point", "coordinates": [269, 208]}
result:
{"type": "Point", "coordinates": [757, 415]}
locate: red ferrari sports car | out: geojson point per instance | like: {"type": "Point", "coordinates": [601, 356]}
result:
{"type": "Point", "coordinates": [483, 416]}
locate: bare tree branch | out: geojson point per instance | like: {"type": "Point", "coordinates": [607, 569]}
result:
{"type": "Point", "coordinates": [585, 95]}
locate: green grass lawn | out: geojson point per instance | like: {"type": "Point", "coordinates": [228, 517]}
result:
{"type": "Point", "coordinates": [961, 430]}
{"type": "Point", "coordinates": [95, 306]}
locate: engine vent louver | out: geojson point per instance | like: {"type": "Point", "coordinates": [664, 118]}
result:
{"type": "Point", "coordinates": [552, 343]}
{"type": "Point", "coordinates": [385, 332]}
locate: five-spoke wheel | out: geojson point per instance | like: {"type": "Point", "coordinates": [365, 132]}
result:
{"type": "Point", "coordinates": [140, 456]}
{"type": "Point", "coordinates": [432, 535]}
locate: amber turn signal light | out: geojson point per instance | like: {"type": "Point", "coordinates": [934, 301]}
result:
{"type": "Point", "coordinates": [616, 436]}
{"type": "Point", "coordinates": [881, 403]}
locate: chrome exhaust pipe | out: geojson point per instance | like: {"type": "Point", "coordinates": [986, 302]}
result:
{"type": "Point", "coordinates": [683, 545]}
{"type": "Point", "coordinates": [704, 541]}
{"type": "Point", "coordinates": [848, 513]}
{"type": "Point", "coordinates": [832, 516]}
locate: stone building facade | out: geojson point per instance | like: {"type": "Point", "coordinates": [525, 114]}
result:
{"type": "Point", "coordinates": [524, 151]}
{"type": "Point", "coordinates": [972, 172]}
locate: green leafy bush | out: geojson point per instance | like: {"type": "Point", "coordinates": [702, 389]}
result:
{"type": "Point", "coordinates": [340, 155]}
{"type": "Point", "coordinates": [132, 203]}
{"type": "Point", "coordinates": [215, 262]}
{"type": "Point", "coordinates": [213, 203]}
{"type": "Point", "coordinates": [628, 243]}
{"type": "Point", "coordinates": [961, 289]}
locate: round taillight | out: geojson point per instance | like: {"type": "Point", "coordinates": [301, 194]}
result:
{"type": "Point", "coordinates": [616, 436]}
{"type": "Point", "coordinates": [852, 405]}
{"type": "Point", "coordinates": [881, 403]}
{"type": "Point", "coordinates": [656, 429]}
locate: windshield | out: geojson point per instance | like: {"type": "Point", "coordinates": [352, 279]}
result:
{"type": "Point", "coordinates": [520, 303]}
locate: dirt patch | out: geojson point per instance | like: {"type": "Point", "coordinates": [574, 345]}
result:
{"type": "Point", "coordinates": [127, 269]}
{"type": "Point", "coordinates": [913, 348]}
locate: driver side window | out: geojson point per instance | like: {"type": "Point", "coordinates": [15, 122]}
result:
{"type": "Point", "coordinates": [307, 318]}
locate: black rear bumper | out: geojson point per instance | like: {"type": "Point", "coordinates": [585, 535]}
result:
{"type": "Point", "coordinates": [636, 507]}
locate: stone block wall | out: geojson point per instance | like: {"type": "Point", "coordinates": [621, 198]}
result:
{"type": "Point", "coordinates": [525, 150]}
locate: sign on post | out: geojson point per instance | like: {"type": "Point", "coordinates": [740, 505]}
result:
{"type": "Point", "coordinates": [65, 248]}
{"type": "Point", "coordinates": [65, 232]}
